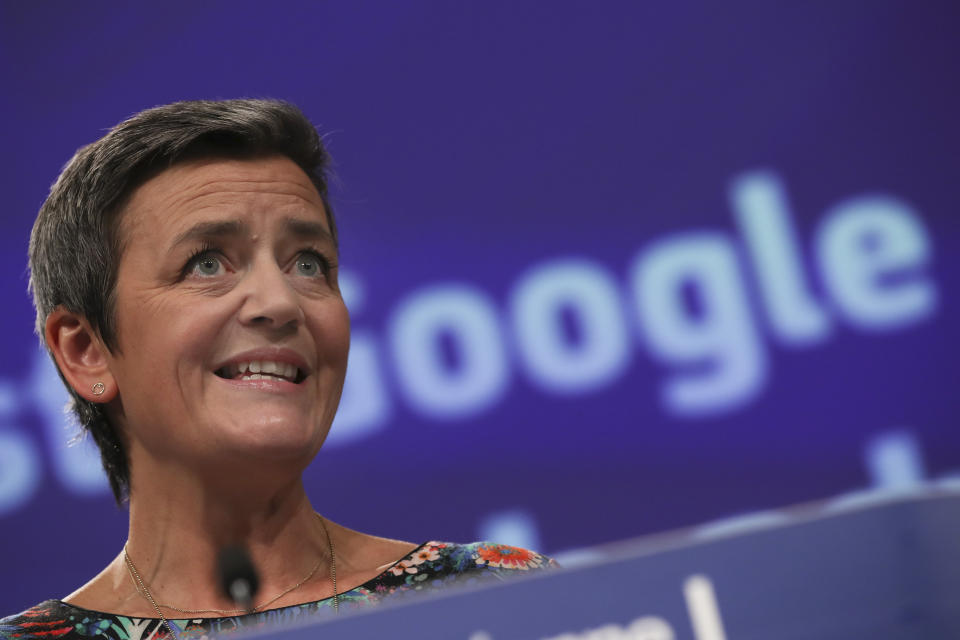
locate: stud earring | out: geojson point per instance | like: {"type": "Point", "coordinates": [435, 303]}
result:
{"type": "Point", "coordinates": [99, 388]}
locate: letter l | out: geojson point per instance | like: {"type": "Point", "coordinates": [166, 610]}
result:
{"type": "Point", "coordinates": [759, 203]}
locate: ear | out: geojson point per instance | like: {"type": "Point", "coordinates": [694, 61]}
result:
{"type": "Point", "coordinates": [81, 355]}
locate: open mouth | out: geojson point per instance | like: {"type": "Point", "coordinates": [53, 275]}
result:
{"type": "Point", "coordinates": [261, 370]}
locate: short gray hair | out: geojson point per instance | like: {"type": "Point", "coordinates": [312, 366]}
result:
{"type": "Point", "coordinates": [75, 246]}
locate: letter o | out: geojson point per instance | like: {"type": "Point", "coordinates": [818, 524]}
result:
{"type": "Point", "coordinates": [591, 293]}
{"type": "Point", "coordinates": [470, 318]}
{"type": "Point", "coordinates": [19, 470]}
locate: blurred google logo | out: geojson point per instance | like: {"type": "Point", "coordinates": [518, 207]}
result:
{"type": "Point", "coordinates": [684, 298]}
{"type": "Point", "coordinates": [702, 303]}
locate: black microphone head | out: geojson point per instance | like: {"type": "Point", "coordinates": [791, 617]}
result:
{"type": "Point", "coordinates": [238, 578]}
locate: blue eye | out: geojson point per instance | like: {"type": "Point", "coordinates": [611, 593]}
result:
{"type": "Point", "coordinates": [206, 264]}
{"type": "Point", "coordinates": [310, 265]}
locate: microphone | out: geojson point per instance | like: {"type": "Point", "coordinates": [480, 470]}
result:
{"type": "Point", "coordinates": [238, 578]}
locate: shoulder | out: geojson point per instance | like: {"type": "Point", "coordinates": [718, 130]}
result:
{"type": "Point", "coordinates": [439, 565]}
{"type": "Point", "coordinates": [49, 619]}
{"type": "Point", "coordinates": [493, 555]}
{"type": "Point", "coordinates": [450, 558]}
{"type": "Point", "coordinates": [59, 620]}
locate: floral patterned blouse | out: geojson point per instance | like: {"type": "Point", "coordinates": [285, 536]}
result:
{"type": "Point", "coordinates": [431, 566]}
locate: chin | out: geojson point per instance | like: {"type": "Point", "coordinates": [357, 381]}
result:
{"type": "Point", "coordinates": [273, 440]}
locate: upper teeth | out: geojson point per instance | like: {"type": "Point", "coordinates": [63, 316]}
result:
{"type": "Point", "coordinates": [256, 368]}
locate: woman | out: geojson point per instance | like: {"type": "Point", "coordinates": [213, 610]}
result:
{"type": "Point", "coordinates": [184, 271]}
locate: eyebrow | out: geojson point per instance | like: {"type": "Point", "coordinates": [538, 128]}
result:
{"type": "Point", "coordinates": [309, 230]}
{"type": "Point", "coordinates": [303, 229]}
{"type": "Point", "coordinates": [206, 230]}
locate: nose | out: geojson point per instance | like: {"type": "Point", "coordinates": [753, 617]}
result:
{"type": "Point", "coordinates": [269, 299]}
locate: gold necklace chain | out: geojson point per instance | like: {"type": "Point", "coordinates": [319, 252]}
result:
{"type": "Point", "coordinates": [145, 592]}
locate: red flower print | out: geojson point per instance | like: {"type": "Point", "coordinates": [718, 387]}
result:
{"type": "Point", "coordinates": [501, 555]}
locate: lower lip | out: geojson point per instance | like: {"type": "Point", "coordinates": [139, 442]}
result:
{"type": "Point", "coordinates": [269, 385]}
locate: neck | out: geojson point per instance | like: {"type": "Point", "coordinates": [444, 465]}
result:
{"type": "Point", "coordinates": [178, 527]}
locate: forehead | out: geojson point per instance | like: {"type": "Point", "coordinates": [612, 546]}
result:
{"type": "Point", "coordinates": [219, 188]}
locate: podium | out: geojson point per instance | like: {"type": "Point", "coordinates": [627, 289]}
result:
{"type": "Point", "coordinates": [874, 566]}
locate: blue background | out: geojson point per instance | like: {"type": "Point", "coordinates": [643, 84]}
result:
{"type": "Point", "coordinates": [478, 144]}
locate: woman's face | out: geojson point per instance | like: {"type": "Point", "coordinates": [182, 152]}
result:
{"type": "Point", "coordinates": [228, 267]}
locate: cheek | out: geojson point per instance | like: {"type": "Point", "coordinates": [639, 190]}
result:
{"type": "Point", "coordinates": [160, 338]}
{"type": "Point", "coordinates": [165, 347]}
{"type": "Point", "coordinates": [330, 327]}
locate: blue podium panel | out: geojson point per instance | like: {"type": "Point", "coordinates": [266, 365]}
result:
{"type": "Point", "coordinates": [829, 571]}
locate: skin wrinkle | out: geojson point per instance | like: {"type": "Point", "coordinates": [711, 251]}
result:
{"type": "Point", "coordinates": [208, 465]}
{"type": "Point", "coordinates": [152, 294]}
{"type": "Point", "coordinates": [186, 436]}
{"type": "Point", "coordinates": [76, 244]}
{"type": "Point", "coordinates": [217, 188]}
{"type": "Point", "coordinates": [218, 205]}
{"type": "Point", "coordinates": [222, 231]}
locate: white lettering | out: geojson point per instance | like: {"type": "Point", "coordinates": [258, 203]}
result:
{"type": "Point", "coordinates": [760, 204]}
{"type": "Point", "coordinates": [722, 335]}
{"type": "Point", "coordinates": [703, 609]}
{"type": "Point", "coordinates": [590, 294]}
{"type": "Point", "coordinates": [352, 291]}
{"type": "Point", "coordinates": [649, 628]}
{"type": "Point", "coordinates": [646, 628]}
{"type": "Point", "coordinates": [469, 319]}
{"type": "Point", "coordinates": [870, 250]}
{"type": "Point", "coordinates": [19, 470]}
{"type": "Point", "coordinates": [365, 404]}
{"type": "Point", "coordinates": [76, 464]}
{"type": "Point", "coordinates": [516, 527]}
